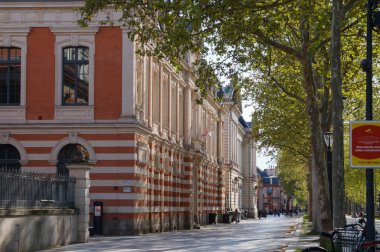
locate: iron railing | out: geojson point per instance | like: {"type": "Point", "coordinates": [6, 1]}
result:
{"type": "Point", "coordinates": [36, 190]}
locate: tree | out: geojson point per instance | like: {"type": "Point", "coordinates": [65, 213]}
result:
{"type": "Point", "coordinates": [244, 36]}
{"type": "Point", "coordinates": [292, 174]}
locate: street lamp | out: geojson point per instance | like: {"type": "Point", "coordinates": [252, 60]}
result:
{"type": "Point", "coordinates": [373, 22]}
{"type": "Point", "coordinates": [329, 141]}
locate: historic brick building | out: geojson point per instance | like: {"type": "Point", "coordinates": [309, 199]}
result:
{"type": "Point", "coordinates": [70, 94]}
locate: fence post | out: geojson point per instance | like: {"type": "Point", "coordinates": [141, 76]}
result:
{"type": "Point", "coordinates": [82, 199]}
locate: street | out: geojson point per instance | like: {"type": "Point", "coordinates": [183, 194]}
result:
{"type": "Point", "coordinates": [268, 234]}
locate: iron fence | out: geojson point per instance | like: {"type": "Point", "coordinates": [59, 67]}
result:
{"type": "Point", "coordinates": [36, 190]}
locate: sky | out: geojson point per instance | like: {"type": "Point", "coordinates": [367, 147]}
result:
{"type": "Point", "coordinates": [262, 161]}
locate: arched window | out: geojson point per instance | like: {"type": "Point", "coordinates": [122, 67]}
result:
{"type": "Point", "coordinates": [9, 158]}
{"type": "Point", "coordinates": [71, 153]}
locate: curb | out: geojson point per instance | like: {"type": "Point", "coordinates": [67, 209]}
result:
{"type": "Point", "coordinates": [301, 241]}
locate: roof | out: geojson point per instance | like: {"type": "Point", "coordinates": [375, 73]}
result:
{"type": "Point", "coordinates": [266, 178]}
{"type": "Point", "coordinates": [271, 180]}
{"type": "Point", "coordinates": [243, 122]}
{"type": "Point", "coordinates": [260, 173]}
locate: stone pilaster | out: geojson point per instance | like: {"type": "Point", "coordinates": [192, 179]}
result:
{"type": "Point", "coordinates": [187, 116]}
{"type": "Point", "coordinates": [82, 198]}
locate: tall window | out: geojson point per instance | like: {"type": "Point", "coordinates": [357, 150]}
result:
{"type": "Point", "coordinates": [165, 100]}
{"type": "Point", "coordinates": [140, 81]}
{"type": "Point", "coordinates": [174, 106]}
{"type": "Point", "coordinates": [75, 75]}
{"type": "Point", "coordinates": [156, 93]}
{"type": "Point", "coordinates": [180, 111]}
{"type": "Point", "coordinates": [10, 75]}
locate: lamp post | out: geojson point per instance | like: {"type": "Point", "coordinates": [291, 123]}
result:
{"type": "Point", "coordinates": [329, 142]}
{"type": "Point", "coordinates": [373, 22]}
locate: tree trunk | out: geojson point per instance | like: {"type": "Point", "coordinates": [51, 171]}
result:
{"type": "Point", "coordinates": [314, 183]}
{"type": "Point", "coordinates": [317, 147]}
{"type": "Point", "coordinates": [310, 191]}
{"type": "Point", "coordinates": [338, 195]}
{"type": "Point", "coordinates": [320, 167]}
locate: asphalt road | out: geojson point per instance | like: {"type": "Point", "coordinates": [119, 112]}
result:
{"type": "Point", "coordinates": [271, 234]}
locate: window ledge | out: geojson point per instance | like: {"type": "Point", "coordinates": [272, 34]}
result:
{"type": "Point", "coordinates": [12, 114]}
{"type": "Point", "coordinates": [77, 113]}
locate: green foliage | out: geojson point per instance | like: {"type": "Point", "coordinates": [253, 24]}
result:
{"type": "Point", "coordinates": [293, 176]}
{"type": "Point", "coordinates": [231, 31]}
{"type": "Point", "coordinates": [258, 45]}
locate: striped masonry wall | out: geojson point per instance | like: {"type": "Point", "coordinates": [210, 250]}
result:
{"type": "Point", "coordinates": [138, 197]}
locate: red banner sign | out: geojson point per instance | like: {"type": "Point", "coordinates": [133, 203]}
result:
{"type": "Point", "coordinates": [365, 144]}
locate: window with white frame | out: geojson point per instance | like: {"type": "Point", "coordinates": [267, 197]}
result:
{"type": "Point", "coordinates": [74, 73]}
{"type": "Point", "coordinates": [146, 89]}
{"type": "Point", "coordinates": [10, 75]}
{"type": "Point", "coordinates": [174, 106]}
{"type": "Point", "coordinates": [165, 100]}
{"type": "Point", "coordinates": [13, 44]}
{"type": "Point", "coordinates": [75, 76]}
{"type": "Point", "coordinates": [139, 81]}
{"type": "Point", "coordinates": [156, 93]}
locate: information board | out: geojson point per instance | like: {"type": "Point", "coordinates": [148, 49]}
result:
{"type": "Point", "coordinates": [365, 144]}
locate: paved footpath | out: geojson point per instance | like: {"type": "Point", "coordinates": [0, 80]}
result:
{"type": "Point", "coordinates": [304, 241]}
{"type": "Point", "coordinates": [272, 234]}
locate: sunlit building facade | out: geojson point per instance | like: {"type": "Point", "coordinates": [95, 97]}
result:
{"type": "Point", "coordinates": [70, 94]}
{"type": "Point", "coordinates": [239, 159]}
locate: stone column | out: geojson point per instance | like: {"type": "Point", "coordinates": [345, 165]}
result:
{"type": "Point", "coordinates": [187, 116]}
{"type": "Point", "coordinates": [149, 93]}
{"type": "Point", "coordinates": [82, 198]}
{"type": "Point", "coordinates": [220, 137]}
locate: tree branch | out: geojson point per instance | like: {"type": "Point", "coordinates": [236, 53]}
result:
{"type": "Point", "coordinates": [347, 7]}
{"type": "Point", "coordinates": [290, 94]}
{"type": "Point", "coordinates": [289, 50]}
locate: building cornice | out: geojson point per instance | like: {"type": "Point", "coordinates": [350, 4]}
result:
{"type": "Point", "coordinates": [41, 4]}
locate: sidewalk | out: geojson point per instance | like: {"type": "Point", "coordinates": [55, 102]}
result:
{"type": "Point", "coordinates": [272, 234]}
{"type": "Point", "coordinates": [301, 238]}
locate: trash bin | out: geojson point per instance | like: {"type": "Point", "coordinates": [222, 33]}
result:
{"type": "Point", "coordinates": [91, 230]}
{"type": "Point", "coordinates": [227, 218]}
{"type": "Point", "coordinates": [212, 218]}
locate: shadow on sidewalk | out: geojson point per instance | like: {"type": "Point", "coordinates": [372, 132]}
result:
{"type": "Point", "coordinates": [304, 237]}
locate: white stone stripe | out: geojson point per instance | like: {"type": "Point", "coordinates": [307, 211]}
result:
{"type": "Point", "coordinates": [137, 183]}
{"type": "Point", "coordinates": [99, 156]}
{"type": "Point", "coordinates": [125, 209]}
{"type": "Point", "coordinates": [116, 156]}
{"type": "Point", "coordinates": [113, 143]}
{"type": "Point", "coordinates": [52, 169]}
{"type": "Point", "coordinates": [96, 169]}
{"type": "Point", "coordinates": [130, 209]}
{"type": "Point", "coordinates": [38, 156]}
{"type": "Point", "coordinates": [118, 196]}
{"type": "Point", "coordinates": [94, 143]}
{"type": "Point", "coordinates": [120, 169]}
{"type": "Point", "coordinates": [42, 143]}
{"type": "Point", "coordinates": [112, 169]}
{"type": "Point", "coordinates": [130, 196]}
